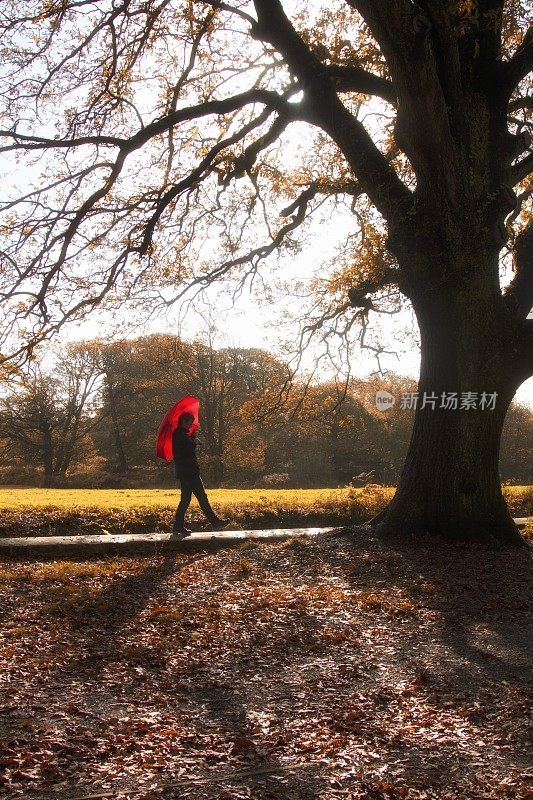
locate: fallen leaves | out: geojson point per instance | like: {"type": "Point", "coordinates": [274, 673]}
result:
{"type": "Point", "coordinates": [340, 670]}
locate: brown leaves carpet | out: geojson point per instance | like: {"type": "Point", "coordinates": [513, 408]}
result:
{"type": "Point", "coordinates": [341, 667]}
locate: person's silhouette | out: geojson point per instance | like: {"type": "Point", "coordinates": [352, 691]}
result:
{"type": "Point", "coordinates": [188, 474]}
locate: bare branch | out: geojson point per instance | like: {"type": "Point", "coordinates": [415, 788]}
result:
{"type": "Point", "coordinates": [130, 145]}
{"type": "Point", "coordinates": [182, 81]}
{"type": "Point", "coordinates": [300, 201]}
{"type": "Point", "coordinates": [44, 332]}
{"type": "Point", "coordinates": [519, 293]}
{"type": "Point", "coordinates": [328, 188]}
{"type": "Point", "coordinates": [514, 70]}
{"type": "Point", "coordinates": [205, 167]}
{"type": "Point", "coordinates": [27, 143]}
{"type": "Point", "coordinates": [165, 123]}
{"type": "Point", "coordinates": [522, 169]}
{"type": "Point", "coordinates": [252, 258]}
{"type": "Point", "coordinates": [246, 160]}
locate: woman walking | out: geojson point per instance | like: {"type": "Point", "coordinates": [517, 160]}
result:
{"type": "Point", "coordinates": [188, 474]}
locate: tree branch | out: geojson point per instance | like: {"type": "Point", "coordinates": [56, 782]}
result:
{"type": "Point", "coordinates": [358, 295]}
{"type": "Point", "coordinates": [322, 107]}
{"type": "Point", "coordinates": [430, 126]}
{"type": "Point", "coordinates": [161, 125]}
{"type": "Point", "coordinates": [27, 142]}
{"type": "Point", "coordinates": [519, 65]}
{"type": "Point", "coordinates": [519, 293]}
{"type": "Point", "coordinates": [347, 187]}
{"type": "Point", "coordinates": [356, 79]}
{"type": "Point", "coordinates": [302, 199]}
{"type": "Point", "coordinates": [231, 9]}
{"type": "Point", "coordinates": [225, 106]}
{"type": "Point", "coordinates": [253, 257]}
{"type": "Point", "coordinates": [194, 177]}
{"type": "Point", "coordinates": [246, 160]}
{"type": "Point", "coordinates": [127, 146]}
{"type": "Point", "coordinates": [522, 169]}
{"type": "Point", "coordinates": [520, 103]}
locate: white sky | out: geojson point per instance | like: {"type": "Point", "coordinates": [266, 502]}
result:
{"type": "Point", "coordinates": [249, 324]}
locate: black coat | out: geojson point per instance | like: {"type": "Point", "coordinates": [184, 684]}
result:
{"type": "Point", "coordinates": [184, 453]}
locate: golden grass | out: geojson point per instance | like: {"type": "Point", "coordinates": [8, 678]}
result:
{"type": "Point", "coordinates": [42, 512]}
{"type": "Point", "coordinates": [261, 500]}
{"type": "Point", "coordinates": [519, 495]}
{"type": "Point", "coordinates": [65, 571]}
{"type": "Point", "coordinates": [38, 512]}
{"type": "Point", "coordinates": [19, 499]}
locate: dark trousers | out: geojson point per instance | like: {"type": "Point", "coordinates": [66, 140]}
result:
{"type": "Point", "coordinates": [192, 485]}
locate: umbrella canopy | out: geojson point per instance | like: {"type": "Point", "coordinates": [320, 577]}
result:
{"type": "Point", "coordinates": [188, 404]}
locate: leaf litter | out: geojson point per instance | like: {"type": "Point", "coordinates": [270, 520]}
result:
{"type": "Point", "coordinates": [338, 668]}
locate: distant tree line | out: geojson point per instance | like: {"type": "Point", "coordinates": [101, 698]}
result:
{"type": "Point", "coordinates": [92, 421]}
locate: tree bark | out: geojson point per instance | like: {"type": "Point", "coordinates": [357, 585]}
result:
{"type": "Point", "coordinates": [220, 466]}
{"type": "Point", "coordinates": [218, 470]}
{"type": "Point", "coordinates": [450, 484]}
{"type": "Point", "coordinates": [122, 462]}
{"type": "Point", "coordinates": [48, 459]}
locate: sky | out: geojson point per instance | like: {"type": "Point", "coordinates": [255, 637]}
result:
{"type": "Point", "coordinates": [250, 323]}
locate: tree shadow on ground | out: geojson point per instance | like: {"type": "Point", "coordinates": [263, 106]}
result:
{"type": "Point", "coordinates": [254, 766]}
{"type": "Point", "coordinates": [97, 624]}
{"type": "Point", "coordinates": [332, 709]}
{"type": "Point", "coordinates": [479, 596]}
{"type": "Point", "coordinates": [96, 620]}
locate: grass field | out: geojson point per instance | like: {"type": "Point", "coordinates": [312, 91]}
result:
{"type": "Point", "coordinates": [30, 498]}
{"type": "Point", "coordinates": [39, 512]}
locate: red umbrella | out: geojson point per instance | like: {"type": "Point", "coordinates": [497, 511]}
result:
{"type": "Point", "coordinates": [170, 421]}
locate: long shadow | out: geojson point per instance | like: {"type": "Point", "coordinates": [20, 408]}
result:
{"type": "Point", "coordinates": [481, 597]}
{"type": "Point", "coordinates": [476, 600]}
{"type": "Point", "coordinates": [97, 621]}
{"type": "Point", "coordinates": [461, 600]}
{"type": "Point", "coordinates": [286, 675]}
{"type": "Point", "coordinates": [100, 620]}
{"type": "Point", "coordinates": [252, 766]}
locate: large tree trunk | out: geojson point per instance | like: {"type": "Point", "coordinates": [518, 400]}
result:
{"type": "Point", "coordinates": [450, 484]}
